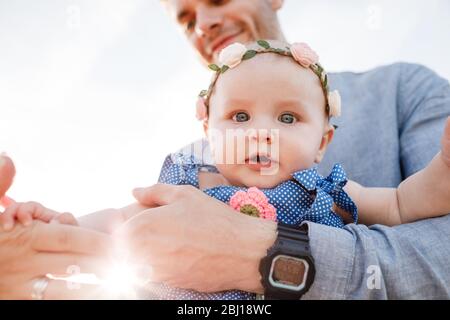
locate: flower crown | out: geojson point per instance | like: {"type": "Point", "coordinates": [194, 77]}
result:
{"type": "Point", "coordinates": [234, 54]}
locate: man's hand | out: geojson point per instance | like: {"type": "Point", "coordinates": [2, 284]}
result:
{"type": "Point", "coordinates": [7, 173]}
{"type": "Point", "coordinates": [28, 253]}
{"type": "Point", "coordinates": [193, 241]}
{"type": "Point", "coordinates": [445, 143]}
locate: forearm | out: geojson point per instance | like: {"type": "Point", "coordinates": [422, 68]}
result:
{"type": "Point", "coordinates": [108, 220]}
{"type": "Point", "coordinates": [408, 261]}
{"type": "Point", "coordinates": [375, 205]}
{"type": "Point", "coordinates": [426, 193]}
{"type": "Point", "coordinates": [423, 195]}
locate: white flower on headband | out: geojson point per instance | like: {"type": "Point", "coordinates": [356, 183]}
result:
{"type": "Point", "coordinates": [232, 55]}
{"type": "Point", "coordinates": [334, 101]}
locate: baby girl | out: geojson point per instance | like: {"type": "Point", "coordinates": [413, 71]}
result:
{"type": "Point", "coordinates": [267, 117]}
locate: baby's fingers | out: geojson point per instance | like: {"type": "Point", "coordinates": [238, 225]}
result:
{"type": "Point", "coordinates": [8, 217]}
{"type": "Point", "coordinates": [33, 210]}
{"type": "Point", "coordinates": [66, 218]}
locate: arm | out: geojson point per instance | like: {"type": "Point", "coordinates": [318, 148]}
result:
{"type": "Point", "coordinates": [194, 241]}
{"type": "Point", "coordinates": [105, 221]}
{"type": "Point", "coordinates": [423, 106]}
{"type": "Point", "coordinates": [108, 220]}
{"type": "Point", "coordinates": [408, 261]}
{"type": "Point", "coordinates": [423, 195]}
{"type": "Point", "coordinates": [414, 257]}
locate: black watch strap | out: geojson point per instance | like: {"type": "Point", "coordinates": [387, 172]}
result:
{"type": "Point", "coordinates": [288, 269]}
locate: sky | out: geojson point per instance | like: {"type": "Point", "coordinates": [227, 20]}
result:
{"type": "Point", "coordinates": [95, 93]}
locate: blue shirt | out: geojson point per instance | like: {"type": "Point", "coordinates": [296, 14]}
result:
{"type": "Point", "coordinates": [391, 124]}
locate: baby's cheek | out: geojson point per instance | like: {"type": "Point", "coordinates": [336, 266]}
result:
{"type": "Point", "coordinates": [297, 154]}
{"type": "Point", "coordinates": [228, 146]}
{"type": "Point", "coordinates": [217, 145]}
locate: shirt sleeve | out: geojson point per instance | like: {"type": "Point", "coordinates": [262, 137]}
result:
{"type": "Point", "coordinates": [409, 261]}
{"type": "Point", "coordinates": [423, 106]}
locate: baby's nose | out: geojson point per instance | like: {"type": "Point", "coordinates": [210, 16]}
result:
{"type": "Point", "coordinates": [261, 135]}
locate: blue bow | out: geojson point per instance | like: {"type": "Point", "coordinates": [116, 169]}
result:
{"type": "Point", "coordinates": [328, 191]}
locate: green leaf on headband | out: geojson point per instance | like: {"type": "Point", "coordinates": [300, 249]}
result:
{"type": "Point", "coordinates": [203, 93]}
{"type": "Point", "coordinates": [249, 54]}
{"type": "Point", "coordinates": [319, 68]}
{"type": "Point", "coordinates": [263, 44]}
{"type": "Point", "coordinates": [224, 68]}
{"type": "Point", "coordinates": [214, 67]}
{"type": "Point", "coordinates": [325, 81]}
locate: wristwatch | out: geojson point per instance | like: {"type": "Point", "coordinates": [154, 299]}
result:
{"type": "Point", "coordinates": [287, 271]}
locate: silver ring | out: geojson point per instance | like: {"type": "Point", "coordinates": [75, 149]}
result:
{"type": "Point", "coordinates": [39, 287]}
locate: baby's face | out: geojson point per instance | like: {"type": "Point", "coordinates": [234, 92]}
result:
{"type": "Point", "coordinates": [267, 120]}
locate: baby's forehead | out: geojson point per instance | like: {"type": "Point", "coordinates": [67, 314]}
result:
{"type": "Point", "coordinates": [271, 65]}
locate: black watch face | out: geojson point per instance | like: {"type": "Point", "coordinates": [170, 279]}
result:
{"type": "Point", "coordinates": [288, 272]}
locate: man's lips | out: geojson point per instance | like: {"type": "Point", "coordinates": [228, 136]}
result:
{"type": "Point", "coordinates": [223, 42]}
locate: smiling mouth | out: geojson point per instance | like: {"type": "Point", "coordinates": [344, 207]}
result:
{"type": "Point", "coordinates": [222, 44]}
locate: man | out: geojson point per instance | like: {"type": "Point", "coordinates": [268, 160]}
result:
{"type": "Point", "coordinates": [392, 120]}
{"type": "Point", "coordinates": [27, 255]}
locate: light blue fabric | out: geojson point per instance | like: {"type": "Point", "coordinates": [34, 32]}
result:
{"type": "Point", "coordinates": [392, 121]}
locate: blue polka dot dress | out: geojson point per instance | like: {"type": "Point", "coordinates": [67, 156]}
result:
{"type": "Point", "coordinates": [306, 197]}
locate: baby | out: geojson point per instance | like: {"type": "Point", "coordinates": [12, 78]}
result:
{"type": "Point", "coordinates": [267, 117]}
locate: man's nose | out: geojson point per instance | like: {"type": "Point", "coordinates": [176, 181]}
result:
{"type": "Point", "coordinates": [207, 22]}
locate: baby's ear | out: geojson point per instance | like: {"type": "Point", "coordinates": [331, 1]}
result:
{"type": "Point", "coordinates": [326, 140]}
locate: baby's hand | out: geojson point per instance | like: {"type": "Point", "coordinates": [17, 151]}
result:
{"type": "Point", "coordinates": [25, 213]}
{"type": "Point", "coordinates": [445, 152]}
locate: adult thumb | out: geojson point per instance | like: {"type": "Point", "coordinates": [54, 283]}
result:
{"type": "Point", "coordinates": [7, 173]}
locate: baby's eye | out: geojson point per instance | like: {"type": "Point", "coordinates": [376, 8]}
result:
{"type": "Point", "coordinates": [287, 118]}
{"type": "Point", "coordinates": [241, 117]}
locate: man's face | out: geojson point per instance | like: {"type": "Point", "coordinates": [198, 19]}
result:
{"type": "Point", "coordinates": [211, 25]}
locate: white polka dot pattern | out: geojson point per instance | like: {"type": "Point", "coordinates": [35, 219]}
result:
{"type": "Point", "coordinates": [308, 196]}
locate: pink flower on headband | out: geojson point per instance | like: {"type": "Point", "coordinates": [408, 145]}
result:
{"type": "Point", "coordinates": [253, 203]}
{"type": "Point", "coordinates": [304, 55]}
{"type": "Point", "coordinates": [202, 113]}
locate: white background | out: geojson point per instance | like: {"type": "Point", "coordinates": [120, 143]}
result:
{"type": "Point", "coordinates": [95, 93]}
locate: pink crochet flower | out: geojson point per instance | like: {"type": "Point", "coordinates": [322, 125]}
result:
{"type": "Point", "coordinates": [202, 113]}
{"type": "Point", "coordinates": [304, 55]}
{"type": "Point", "coordinates": [254, 203]}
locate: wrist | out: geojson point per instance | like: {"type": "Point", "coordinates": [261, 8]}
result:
{"type": "Point", "coordinates": [258, 237]}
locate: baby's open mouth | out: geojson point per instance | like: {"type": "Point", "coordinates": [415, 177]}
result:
{"type": "Point", "coordinates": [259, 161]}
